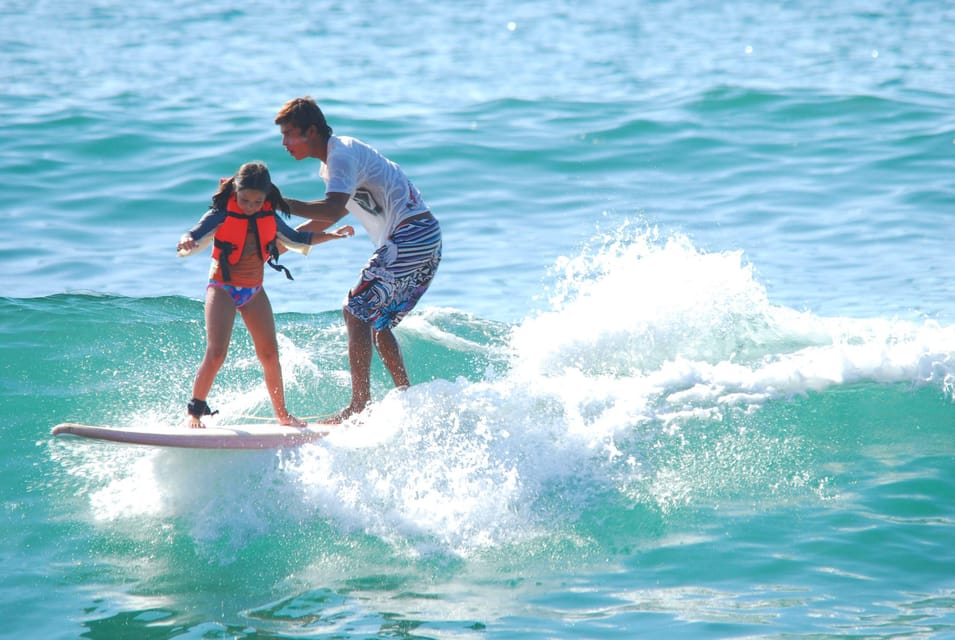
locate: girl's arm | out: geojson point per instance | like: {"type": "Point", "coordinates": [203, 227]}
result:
{"type": "Point", "coordinates": [200, 236]}
{"type": "Point", "coordinates": [346, 231]}
{"type": "Point", "coordinates": [302, 238]}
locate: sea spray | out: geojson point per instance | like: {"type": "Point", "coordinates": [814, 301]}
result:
{"type": "Point", "coordinates": [660, 378]}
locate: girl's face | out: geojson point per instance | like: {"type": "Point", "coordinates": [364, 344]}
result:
{"type": "Point", "coordinates": [250, 200]}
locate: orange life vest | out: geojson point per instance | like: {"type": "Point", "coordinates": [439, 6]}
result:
{"type": "Point", "coordinates": [229, 240]}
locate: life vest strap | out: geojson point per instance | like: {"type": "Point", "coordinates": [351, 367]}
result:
{"type": "Point", "coordinates": [225, 250]}
{"type": "Point", "coordinates": [273, 260]}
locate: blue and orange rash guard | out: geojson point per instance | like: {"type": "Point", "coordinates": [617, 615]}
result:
{"type": "Point", "coordinates": [245, 240]}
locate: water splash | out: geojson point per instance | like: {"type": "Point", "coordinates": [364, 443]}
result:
{"type": "Point", "coordinates": [660, 378]}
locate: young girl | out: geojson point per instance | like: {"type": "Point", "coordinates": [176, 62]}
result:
{"type": "Point", "coordinates": [246, 233]}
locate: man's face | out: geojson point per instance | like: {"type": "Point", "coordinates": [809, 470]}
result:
{"type": "Point", "coordinates": [294, 141]}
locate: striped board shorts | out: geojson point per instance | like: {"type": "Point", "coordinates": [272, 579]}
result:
{"type": "Point", "coordinates": [397, 274]}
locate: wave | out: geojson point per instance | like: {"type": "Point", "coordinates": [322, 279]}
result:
{"type": "Point", "coordinates": [659, 378]}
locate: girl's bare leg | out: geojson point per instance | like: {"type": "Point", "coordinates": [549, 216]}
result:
{"type": "Point", "coordinates": [260, 321]}
{"type": "Point", "coordinates": [220, 319]}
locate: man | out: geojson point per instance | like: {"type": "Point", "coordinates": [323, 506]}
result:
{"type": "Point", "coordinates": [407, 238]}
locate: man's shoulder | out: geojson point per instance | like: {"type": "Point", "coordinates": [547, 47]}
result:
{"type": "Point", "coordinates": [343, 146]}
{"type": "Point", "coordinates": [349, 142]}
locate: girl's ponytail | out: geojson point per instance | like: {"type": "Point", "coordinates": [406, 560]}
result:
{"type": "Point", "coordinates": [221, 198]}
{"type": "Point", "coordinates": [278, 202]}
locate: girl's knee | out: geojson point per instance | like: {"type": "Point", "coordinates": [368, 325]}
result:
{"type": "Point", "coordinates": [216, 355]}
{"type": "Point", "coordinates": [268, 355]}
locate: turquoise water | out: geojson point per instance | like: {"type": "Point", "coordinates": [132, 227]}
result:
{"type": "Point", "coordinates": [687, 369]}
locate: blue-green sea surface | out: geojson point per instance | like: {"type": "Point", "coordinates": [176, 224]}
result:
{"type": "Point", "coordinates": [687, 369]}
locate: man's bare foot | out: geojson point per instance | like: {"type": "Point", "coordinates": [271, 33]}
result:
{"type": "Point", "coordinates": [195, 422]}
{"type": "Point", "coordinates": [291, 421]}
{"type": "Point", "coordinates": [341, 416]}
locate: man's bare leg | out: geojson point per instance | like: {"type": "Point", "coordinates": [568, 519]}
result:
{"type": "Point", "coordinates": [390, 353]}
{"type": "Point", "coordinates": [359, 362]}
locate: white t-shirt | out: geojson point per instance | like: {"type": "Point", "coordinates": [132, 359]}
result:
{"type": "Point", "coordinates": [381, 194]}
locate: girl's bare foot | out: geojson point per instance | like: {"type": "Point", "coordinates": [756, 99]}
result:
{"type": "Point", "coordinates": [291, 421]}
{"type": "Point", "coordinates": [195, 410]}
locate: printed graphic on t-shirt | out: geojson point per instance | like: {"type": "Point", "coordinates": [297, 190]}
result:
{"type": "Point", "coordinates": [364, 198]}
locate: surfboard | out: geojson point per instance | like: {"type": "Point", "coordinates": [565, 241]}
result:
{"type": "Point", "coordinates": [253, 436]}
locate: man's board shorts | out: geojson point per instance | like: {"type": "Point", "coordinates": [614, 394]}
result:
{"type": "Point", "coordinates": [397, 275]}
{"type": "Point", "coordinates": [240, 295]}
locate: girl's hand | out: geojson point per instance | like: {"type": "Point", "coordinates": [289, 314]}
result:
{"type": "Point", "coordinates": [186, 245]}
{"type": "Point", "coordinates": [343, 232]}
{"type": "Point", "coordinates": [324, 236]}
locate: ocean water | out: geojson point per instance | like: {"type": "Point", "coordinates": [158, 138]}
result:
{"type": "Point", "coordinates": [687, 369]}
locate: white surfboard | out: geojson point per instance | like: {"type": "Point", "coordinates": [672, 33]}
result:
{"type": "Point", "coordinates": [253, 436]}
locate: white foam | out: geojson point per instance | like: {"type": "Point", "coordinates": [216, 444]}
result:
{"type": "Point", "coordinates": [643, 337]}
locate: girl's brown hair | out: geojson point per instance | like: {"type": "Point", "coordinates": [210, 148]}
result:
{"type": "Point", "coordinates": [251, 175]}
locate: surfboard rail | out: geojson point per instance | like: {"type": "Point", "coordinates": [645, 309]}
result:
{"type": "Point", "coordinates": [269, 436]}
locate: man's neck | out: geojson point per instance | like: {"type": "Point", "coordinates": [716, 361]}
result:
{"type": "Point", "coordinates": [320, 149]}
